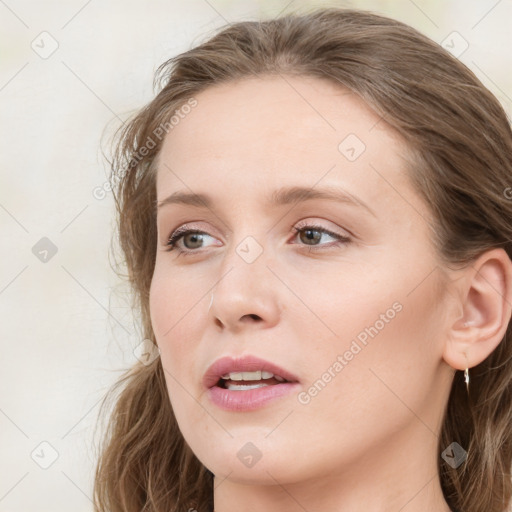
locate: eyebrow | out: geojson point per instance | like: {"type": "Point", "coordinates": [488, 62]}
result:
{"type": "Point", "coordinates": [281, 197]}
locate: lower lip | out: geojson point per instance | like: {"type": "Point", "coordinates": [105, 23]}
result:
{"type": "Point", "coordinates": [251, 398]}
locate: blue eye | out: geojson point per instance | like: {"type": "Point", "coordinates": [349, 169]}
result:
{"type": "Point", "coordinates": [310, 230]}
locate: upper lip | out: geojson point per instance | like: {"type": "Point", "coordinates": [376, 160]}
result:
{"type": "Point", "coordinates": [246, 363]}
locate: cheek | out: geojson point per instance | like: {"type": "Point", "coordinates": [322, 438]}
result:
{"type": "Point", "coordinates": [177, 310]}
{"type": "Point", "coordinates": [380, 335]}
{"type": "Point", "coordinates": [366, 381]}
{"type": "Point", "coordinates": [173, 300]}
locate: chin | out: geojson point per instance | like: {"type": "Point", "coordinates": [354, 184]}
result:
{"type": "Point", "coordinates": [243, 462]}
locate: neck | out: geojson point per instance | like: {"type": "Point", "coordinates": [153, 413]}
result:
{"type": "Point", "coordinates": [400, 475]}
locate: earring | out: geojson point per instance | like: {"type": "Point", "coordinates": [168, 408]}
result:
{"type": "Point", "coordinates": [466, 371]}
{"type": "Point", "coordinates": [466, 375]}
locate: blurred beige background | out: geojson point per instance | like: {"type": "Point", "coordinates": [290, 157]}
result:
{"type": "Point", "coordinates": [68, 71]}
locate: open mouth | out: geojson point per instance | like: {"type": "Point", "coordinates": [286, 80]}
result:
{"type": "Point", "coordinates": [247, 383]}
{"type": "Point", "coordinates": [241, 381]}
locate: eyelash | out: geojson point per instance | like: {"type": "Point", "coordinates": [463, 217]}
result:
{"type": "Point", "coordinates": [181, 232]}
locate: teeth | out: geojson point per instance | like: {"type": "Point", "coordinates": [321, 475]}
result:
{"type": "Point", "coordinates": [251, 376]}
{"type": "Point", "coordinates": [243, 387]}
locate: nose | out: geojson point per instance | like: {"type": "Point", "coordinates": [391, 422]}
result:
{"type": "Point", "coordinates": [246, 294]}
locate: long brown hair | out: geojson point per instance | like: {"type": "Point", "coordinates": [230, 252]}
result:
{"type": "Point", "coordinates": [461, 145]}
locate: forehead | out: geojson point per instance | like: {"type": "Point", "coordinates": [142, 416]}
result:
{"type": "Point", "coordinates": [269, 131]}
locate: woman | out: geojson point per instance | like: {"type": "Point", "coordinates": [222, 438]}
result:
{"type": "Point", "coordinates": [316, 219]}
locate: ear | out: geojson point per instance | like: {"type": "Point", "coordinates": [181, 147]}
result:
{"type": "Point", "coordinates": [485, 298]}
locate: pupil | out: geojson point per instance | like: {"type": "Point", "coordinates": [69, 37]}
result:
{"type": "Point", "coordinates": [309, 235]}
{"type": "Point", "coordinates": [195, 238]}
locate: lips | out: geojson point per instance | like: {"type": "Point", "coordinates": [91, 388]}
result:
{"type": "Point", "coordinates": [248, 363]}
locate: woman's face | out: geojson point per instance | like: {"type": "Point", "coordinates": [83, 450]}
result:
{"type": "Point", "coordinates": [357, 320]}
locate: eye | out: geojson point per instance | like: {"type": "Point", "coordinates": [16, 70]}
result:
{"type": "Point", "coordinates": [311, 232]}
{"type": "Point", "coordinates": [194, 237]}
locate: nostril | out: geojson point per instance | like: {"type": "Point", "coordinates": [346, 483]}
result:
{"type": "Point", "coordinates": [254, 317]}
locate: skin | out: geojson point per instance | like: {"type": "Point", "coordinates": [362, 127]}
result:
{"type": "Point", "coordinates": [368, 440]}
